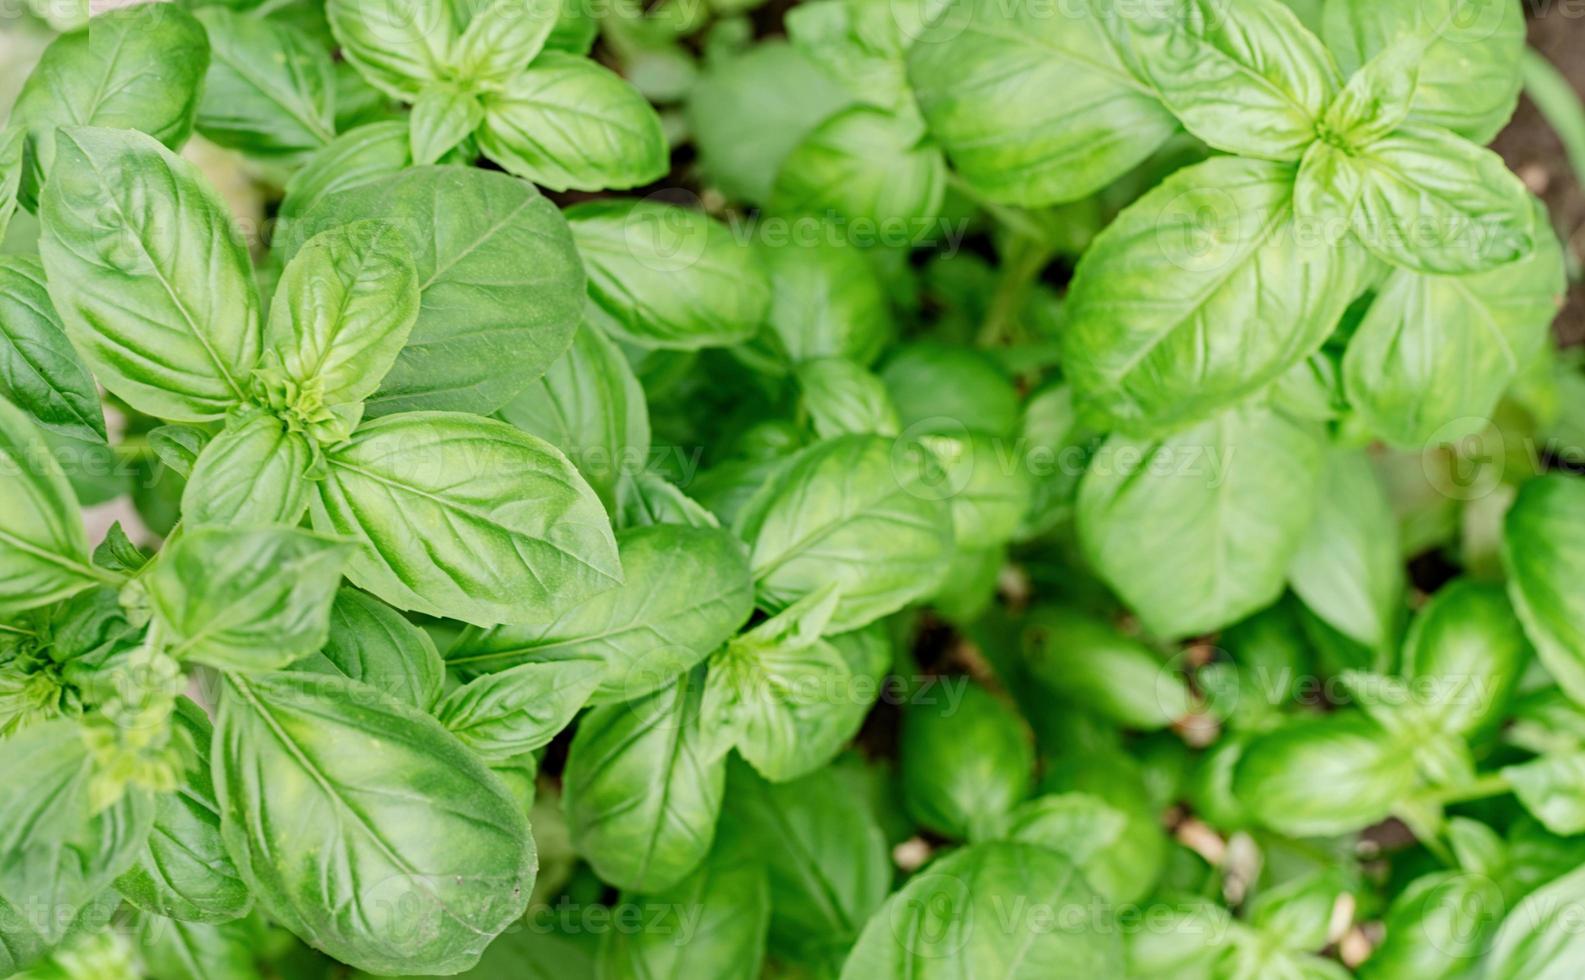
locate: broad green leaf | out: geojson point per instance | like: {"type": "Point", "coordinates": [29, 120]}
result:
{"type": "Point", "coordinates": [398, 46]}
{"type": "Point", "coordinates": [175, 950]}
{"type": "Point", "coordinates": [567, 122]}
{"type": "Point", "coordinates": [183, 871]}
{"type": "Point", "coordinates": [253, 472]}
{"type": "Point", "coordinates": [1434, 353]}
{"type": "Point", "coordinates": [1080, 827]}
{"type": "Point", "coordinates": [373, 644]}
{"type": "Point", "coordinates": [43, 546]}
{"type": "Point", "coordinates": [499, 281]}
{"type": "Point", "coordinates": [743, 124]}
{"type": "Point", "coordinates": [866, 164]}
{"type": "Point", "coordinates": [1349, 567]}
{"type": "Point", "coordinates": [981, 74]}
{"type": "Point", "coordinates": [591, 407]}
{"type": "Point", "coordinates": [965, 766]}
{"type": "Point", "coordinates": [668, 276]}
{"type": "Point", "coordinates": [776, 691]}
{"type": "Point", "coordinates": [1467, 648]}
{"type": "Point", "coordinates": [938, 926]}
{"type": "Point", "coordinates": [139, 67]}
{"type": "Point", "coordinates": [1297, 914]}
{"type": "Point", "coordinates": [851, 511]}
{"type": "Point", "coordinates": [685, 590]}
{"type": "Point", "coordinates": [823, 852]}
{"type": "Point", "coordinates": [343, 311]}
{"type": "Point", "coordinates": [826, 301]}
{"type": "Point", "coordinates": [1541, 552]}
{"type": "Point", "coordinates": [1552, 788]}
{"type": "Point", "coordinates": [39, 370]}
{"type": "Point", "coordinates": [642, 788]}
{"type": "Point", "coordinates": [270, 90]}
{"type": "Point", "coordinates": [464, 517]}
{"type": "Point", "coordinates": [179, 446]}
{"type": "Point", "coordinates": [1469, 71]}
{"type": "Point", "coordinates": [57, 854]}
{"type": "Point", "coordinates": [860, 43]}
{"type": "Point", "coordinates": [1377, 98]}
{"type": "Point", "coordinates": [145, 269]}
{"type": "Point", "coordinates": [13, 145]}
{"type": "Point", "coordinates": [1176, 311]}
{"type": "Point", "coordinates": [1252, 82]}
{"type": "Point", "coordinates": [711, 924]}
{"type": "Point", "coordinates": [1096, 668]}
{"type": "Point", "coordinates": [1196, 531]}
{"type": "Point", "coordinates": [1433, 202]}
{"type": "Point", "coordinates": [357, 156]}
{"type": "Point", "coordinates": [246, 599]}
{"type": "Point", "coordinates": [505, 714]}
{"type": "Point", "coordinates": [405, 856]}
{"type": "Point", "coordinates": [1323, 775]}
{"type": "Point", "coordinates": [1538, 939]}
{"type": "Point", "coordinates": [989, 486]}
{"type": "Point", "coordinates": [504, 36]}
{"type": "Point", "coordinates": [942, 389]}
{"type": "Point", "coordinates": [442, 118]}
{"type": "Point", "coordinates": [842, 398]}
{"type": "Point", "coordinates": [1442, 924]}
{"type": "Point", "coordinates": [645, 498]}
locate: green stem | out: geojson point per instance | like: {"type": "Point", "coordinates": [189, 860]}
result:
{"type": "Point", "coordinates": [1015, 220]}
{"type": "Point", "coordinates": [1561, 107]}
{"type": "Point", "coordinates": [1022, 260]}
{"type": "Point", "coordinates": [1490, 784]}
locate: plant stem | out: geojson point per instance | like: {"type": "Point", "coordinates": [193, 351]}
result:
{"type": "Point", "coordinates": [1022, 260]}
{"type": "Point", "coordinates": [1489, 784]}
{"type": "Point", "coordinates": [1013, 219]}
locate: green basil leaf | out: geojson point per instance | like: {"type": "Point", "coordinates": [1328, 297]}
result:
{"type": "Point", "coordinates": [358, 156]}
{"type": "Point", "coordinates": [1169, 319]}
{"type": "Point", "coordinates": [566, 122]}
{"type": "Point", "coordinates": [1349, 567]}
{"type": "Point", "coordinates": [1540, 552]}
{"type": "Point", "coordinates": [176, 950]}
{"type": "Point", "coordinates": [183, 871]}
{"type": "Point", "coordinates": [44, 557]}
{"type": "Point", "coordinates": [964, 767]}
{"type": "Point", "coordinates": [1552, 788]}
{"type": "Point", "coordinates": [685, 590]}
{"type": "Point", "coordinates": [667, 276]}
{"type": "Point", "coordinates": [101, 76]}
{"type": "Point", "coordinates": [711, 924]}
{"type": "Point", "coordinates": [1431, 201]}
{"type": "Point", "coordinates": [1442, 924]}
{"type": "Point", "coordinates": [118, 553]}
{"type": "Point", "coordinates": [271, 88]}
{"type": "Point", "coordinates": [1297, 914]}
{"type": "Point", "coordinates": [591, 407]}
{"type": "Point", "coordinates": [863, 163]}
{"type": "Point", "coordinates": [373, 644]}
{"type": "Point", "coordinates": [1196, 531]}
{"type": "Point", "coordinates": [246, 598]}
{"type": "Point", "coordinates": [39, 370]}
{"type": "Point", "coordinates": [942, 389]}
{"type": "Point", "coordinates": [1322, 775]}
{"type": "Point", "coordinates": [343, 311]}
{"type": "Point", "coordinates": [442, 118]}
{"type": "Point", "coordinates": [179, 446]}
{"type": "Point", "coordinates": [980, 73]}
{"type": "Point", "coordinates": [860, 43]}
{"type": "Point", "coordinates": [1434, 353]}
{"type": "Point", "coordinates": [397, 45]}
{"type": "Point", "coordinates": [1469, 71]}
{"type": "Point", "coordinates": [646, 499]}
{"type": "Point", "coordinates": [1377, 99]}
{"type": "Point", "coordinates": [642, 788]}
{"type": "Point", "coordinates": [743, 125]}
{"type": "Point", "coordinates": [826, 301]}
{"type": "Point", "coordinates": [849, 511]}
{"type": "Point", "coordinates": [404, 856]}
{"type": "Point", "coordinates": [464, 517]}
{"type": "Point", "coordinates": [927, 929]}
{"type": "Point", "coordinates": [56, 853]}
{"type": "Point", "coordinates": [990, 491]}
{"type": "Point", "coordinates": [1092, 666]}
{"type": "Point", "coordinates": [1467, 641]}
{"type": "Point", "coordinates": [504, 36]}
{"type": "Point", "coordinates": [824, 855]}
{"type": "Point", "coordinates": [1254, 84]}
{"type": "Point", "coordinates": [499, 280]}
{"type": "Point", "coordinates": [520, 709]}
{"type": "Point", "coordinates": [143, 265]}
{"type": "Point", "coordinates": [253, 472]}
{"type": "Point", "coordinates": [1537, 939]}
{"type": "Point", "coordinates": [13, 146]}
{"type": "Point", "coordinates": [1078, 826]}
{"type": "Point", "coordinates": [842, 398]}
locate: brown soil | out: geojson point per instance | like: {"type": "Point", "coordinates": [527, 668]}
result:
{"type": "Point", "coordinates": [1532, 149]}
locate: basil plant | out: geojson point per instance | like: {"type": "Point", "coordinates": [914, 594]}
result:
{"type": "Point", "coordinates": [840, 490]}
